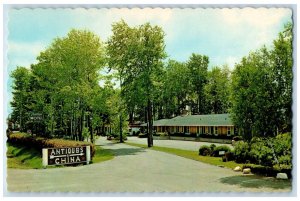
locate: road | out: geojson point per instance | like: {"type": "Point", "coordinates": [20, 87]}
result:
{"type": "Point", "coordinates": [136, 170]}
{"type": "Point", "coordinates": [185, 145]}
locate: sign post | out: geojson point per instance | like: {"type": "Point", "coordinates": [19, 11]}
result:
{"type": "Point", "coordinates": [66, 155]}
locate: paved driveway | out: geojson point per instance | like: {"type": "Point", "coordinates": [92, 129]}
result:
{"type": "Point", "coordinates": [133, 170]}
{"type": "Point", "coordinates": [180, 144]}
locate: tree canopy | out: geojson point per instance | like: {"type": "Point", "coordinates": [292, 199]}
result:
{"type": "Point", "coordinates": [61, 96]}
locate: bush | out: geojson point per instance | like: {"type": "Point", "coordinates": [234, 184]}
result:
{"type": "Point", "coordinates": [216, 150]}
{"type": "Point", "coordinates": [40, 142]}
{"type": "Point", "coordinates": [261, 152]}
{"type": "Point", "coordinates": [282, 145]}
{"type": "Point", "coordinates": [163, 134]}
{"type": "Point", "coordinates": [204, 150]}
{"type": "Point", "coordinates": [241, 152]}
{"type": "Point", "coordinates": [229, 156]}
{"type": "Point", "coordinates": [212, 147]}
{"type": "Point", "coordinates": [268, 171]}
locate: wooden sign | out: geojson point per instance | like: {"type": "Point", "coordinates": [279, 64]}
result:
{"type": "Point", "coordinates": [66, 155]}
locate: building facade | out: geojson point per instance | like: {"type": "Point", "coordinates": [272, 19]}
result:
{"type": "Point", "coordinates": [196, 125]}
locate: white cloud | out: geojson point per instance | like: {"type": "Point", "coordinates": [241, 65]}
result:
{"type": "Point", "coordinates": [231, 61]}
{"type": "Point", "coordinates": [138, 16]}
{"type": "Point", "coordinates": [29, 48]}
{"type": "Point", "coordinates": [23, 54]}
{"type": "Point", "coordinates": [255, 17]}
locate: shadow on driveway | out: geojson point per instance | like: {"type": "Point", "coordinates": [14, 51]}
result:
{"type": "Point", "coordinates": [254, 181]}
{"type": "Point", "coordinates": [126, 151]}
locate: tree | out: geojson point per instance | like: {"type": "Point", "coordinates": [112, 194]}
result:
{"type": "Point", "coordinates": [198, 65]}
{"type": "Point", "coordinates": [65, 80]}
{"type": "Point", "coordinates": [282, 63]}
{"type": "Point", "coordinates": [21, 96]}
{"type": "Point", "coordinates": [217, 90]}
{"type": "Point", "coordinates": [137, 53]}
{"type": "Point", "coordinates": [262, 89]}
{"type": "Point", "coordinates": [175, 85]}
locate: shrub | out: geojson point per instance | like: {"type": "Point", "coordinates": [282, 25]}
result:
{"type": "Point", "coordinates": [229, 156]}
{"type": "Point", "coordinates": [204, 150]}
{"type": "Point", "coordinates": [268, 171]}
{"type": "Point", "coordinates": [40, 142]}
{"type": "Point", "coordinates": [261, 152]}
{"type": "Point", "coordinates": [241, 152]}
{"type": "Point", "coordinates": [217, 149]}
{"type": "Point", "coordinates": [163, 134]}
{"type": "Point", "coordinates": [212, 147]}
{"type": "Point", "coordinates": [282, 145]}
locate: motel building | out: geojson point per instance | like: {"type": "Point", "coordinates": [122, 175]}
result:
{"type": "Point", "coordinates": [196, 125]}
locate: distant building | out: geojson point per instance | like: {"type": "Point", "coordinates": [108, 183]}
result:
{"type": "Point", "coordinates": [212, 124]}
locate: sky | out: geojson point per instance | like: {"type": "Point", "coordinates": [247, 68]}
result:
{"type": "Point", "coordinates": [224, 35]}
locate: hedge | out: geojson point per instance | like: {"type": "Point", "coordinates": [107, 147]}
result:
{"type": "Point", "coordinates": [268, 171]}
{"type": "Point", "coordinates": [40, 142]}
{"type": "Point", "coordinates": [216, 150]}
{"type": "Point", "coordinates": [204, 150]}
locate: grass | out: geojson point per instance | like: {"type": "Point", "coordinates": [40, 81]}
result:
{"type": "Point", "coordinates": [194, 155]}
{"type": "Point", "coordinates": [21, 157]}
{"type": "Point", "coordinates": [102, 155]}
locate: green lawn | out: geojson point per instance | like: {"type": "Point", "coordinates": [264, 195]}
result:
{"type": "Point", "coordinates": [194, 155]}
{"type": "Point", "coordinates": [102, 155]}
{"type": "Point", "coordinates": [21, 157]}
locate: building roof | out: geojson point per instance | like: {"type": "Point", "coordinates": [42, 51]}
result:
{"type": "Point", "coordinates": [195, 120]}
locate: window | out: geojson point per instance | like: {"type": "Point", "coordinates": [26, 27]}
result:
{"type": "Point", "coordinates": [216, 130]}
{"type": "Point", "coordinates": [187, 129]}
{"type": "Point", "coordinates": [206, 130]}
{"type": "Point", "coordinates": [181, 129]}
{"type": "Point", "coordinates": [228, 131]}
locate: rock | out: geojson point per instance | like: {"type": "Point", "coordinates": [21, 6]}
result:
{"type": "Point", "coordinates": [281, 176]}
{"type": "Point", "coordinates": [246, 171]}
{"type": "Point", "coordinates": [221, 166]}
{"type": "Point", "coordinates": [237, 169]}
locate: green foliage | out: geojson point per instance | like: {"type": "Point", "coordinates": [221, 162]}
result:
{"type": "Point", "coordinates": [261, 90]}
{"type": "Point", "coordinates": [268, 171]}
{"type": "Point", "coordinates": [63, 88]}
{"type": "Point", "coordinates": [21, 96]}
{"type": "Point", "coordinates": [241, 152]}
{"type": "Point", "coordinates": [216, 150]}
{"type": "Point", "coordinates": [85, 132]}
{"type": "Point", "coordinates": [275, 153]}
{"type": "Point", "coordinates": [217, 90]}
{"type": "Point", "coordinates": [198, 65]}
{"type": "Point", "coordinates": [204, 150]}
{"type": "Point", "coordinates": [212, 147]}
{"type": "Point", "coordinates": [137, 53]}
{"type": "Point", "coordinates": [261, 152]}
